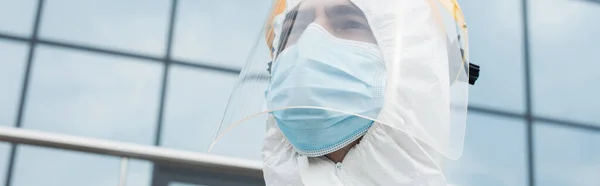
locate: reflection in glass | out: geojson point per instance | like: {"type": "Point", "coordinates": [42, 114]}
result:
{"type": "Point", "coordinates": [17, 17]}
{"type": "Point", "coordinates": [133, 25]}
{"type": "Point", "coordinates": [219, 32]}
{"type": "Point", "coordinates": [494, 153]}
{"type": "Point", "coordinates": [564, 53]}
{"type": "Point", "coordinates": [45, 166]}
{"type": "Point", "coordinates": [566, 156]}
{"type": "Point", "coordinates": [195, 103]}
{"type": "Point", "coordinates": [12, 67]}
{"type": "Point", "coordinates": [497, 48]}
{"type": "Point", "coordinates": [92, 95]}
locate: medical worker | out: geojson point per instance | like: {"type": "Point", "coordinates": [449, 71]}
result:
{"type": "Point", "coordinates": [361, 92]}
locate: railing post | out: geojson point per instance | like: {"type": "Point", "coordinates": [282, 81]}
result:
{"type": "Point", "coordinates": [123, 175]}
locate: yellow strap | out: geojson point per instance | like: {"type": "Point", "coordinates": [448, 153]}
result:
{"type": "Point", "coordinates": [453, 7]}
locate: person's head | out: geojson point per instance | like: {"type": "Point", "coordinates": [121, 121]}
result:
{"type": "Point", "coordinates": [340, 65]}
{"type": "Point", "coordinates": [328, 63]}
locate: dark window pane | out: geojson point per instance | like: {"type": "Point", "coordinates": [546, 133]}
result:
{"type": "Point", "coordinates": [496, 41]}
{"type": "Point", "coordinates": [4, 159]}
{"type": "Point", "coordinates": [93, 95]}
{"type": "Point", "coordinates": [565, 156]}
{"type": "Point", "coordinates": [17, 17]}
{"type": "Point", "coordinates": [183, 184]}
{"type": "Point", "coordinates": [219, 32]}
{"type": "Point", "coordinates": [139, 172]}
{"type": "Point", "coordinates": [12, 67]}
{"type": "Point", "coordinates": [494, 155]}
{"type": "Point", "coordinates": [133, 25]}
{"type": "Point", "coordinates": [45, 166]}
{"type": "Point", "coordinates": [196, 101]}
{"type": "Point", "coordinates": [565, 59]}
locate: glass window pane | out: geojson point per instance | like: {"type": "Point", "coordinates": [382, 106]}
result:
{"type": "Point", "coordinates": [496, 44]}
{"type": "Point", "coordinates": [133, 25]}
{"type": "Point", "coordinates": [17, 17]}
{"type": "Point", "coordinates": [561, 89]}
{"type": "Point", "coordinates": [12, 68]}
{"type": "Point", "coordinates": [196, 101]}
{"type": "Point", "coordinates": [565, 156]}
{"type": "Point", "coordinates": [494, 155]}
{"type": "Point", "coordinates": [219, 32]}
{"type": "Point", "coordinates": [93, 95]}
{"type": "Point", "coordinates": [46, 166]}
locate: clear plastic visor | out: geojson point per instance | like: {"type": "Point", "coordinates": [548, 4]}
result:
{"type": "Point", "coordinates": [324, 77]}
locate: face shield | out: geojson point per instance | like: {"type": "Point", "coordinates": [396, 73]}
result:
{"type": "Point", "coordinates": [332, 68]}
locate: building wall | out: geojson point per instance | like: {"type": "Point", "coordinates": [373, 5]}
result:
{"type": "Point", "coordinates": [159, 72]}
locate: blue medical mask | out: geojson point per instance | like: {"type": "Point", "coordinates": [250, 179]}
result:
{"type": "Point", "coordinates": [329, 73]}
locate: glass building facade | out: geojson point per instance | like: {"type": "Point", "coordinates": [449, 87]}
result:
{"type": "Point", "coordinates": [159, 73]}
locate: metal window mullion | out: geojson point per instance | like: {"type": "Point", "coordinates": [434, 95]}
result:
{"type": "Point", "coordinates": [165, 76]}
{"type": "Point", "coordinates": [165, 81]}
{"type": "Point", "coordinates": [24, 88]}
{"type": "Point", "coordinates": [528, 95]}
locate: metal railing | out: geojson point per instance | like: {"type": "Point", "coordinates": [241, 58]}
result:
{"type": "Point", "coordinates": [205, 162]}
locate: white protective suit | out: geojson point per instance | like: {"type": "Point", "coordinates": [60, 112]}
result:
{"type": "Point", "coordinates": [384, 156]}
{"type": "Point", "coordinates": [422, 118]}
